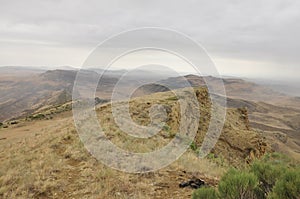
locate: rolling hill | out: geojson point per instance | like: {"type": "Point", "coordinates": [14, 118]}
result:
{"type": "Point", "coordinates": [44, 157]}
{"type": "Point", "coordinates": [275, 114]}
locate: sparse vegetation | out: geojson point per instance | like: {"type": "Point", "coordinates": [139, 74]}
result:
{"type": "Point", "coordinates": [166, 128]}
{"type": "Point", "coordinates": [205, 193]}
{"type": "Point", "coordinates": [218, 159]}
{"type": "Point", "coordinates": [193, 146]}
{"type": "Point", "coordinates": [51, 162]}
{"type": "Point", "coordinates": [174, 98]}
{"type": "Point", "coordinates": [237, 185]}
{"type": "Point", "coordinates": [273, 177]}
{"type": "Point", "coordinates": [288, 186]}
{"type": "Point", "coordinates": [37, 116]}
{"type": "Point", "coordinates": [267, 174]}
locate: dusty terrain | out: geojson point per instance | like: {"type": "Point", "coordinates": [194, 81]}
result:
{"type": "Point", "coordinates": [44, 158]}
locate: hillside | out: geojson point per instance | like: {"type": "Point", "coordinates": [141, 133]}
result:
{"type": "Point", "coordinates": [44, 158]}
{"type": "Point", "coordinates": [274, 114]}
{"type": "Point", "coordinates": [23, 95]}
{"type": "Point", "coordinates": [279, 124]}
{"type": "Point", "coordinates": [24, 91]}
{"type": "Point", "coordinates": [240, 89]}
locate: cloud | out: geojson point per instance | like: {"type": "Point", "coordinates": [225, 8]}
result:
{"type": "Point", "coordinates": [264, 33]}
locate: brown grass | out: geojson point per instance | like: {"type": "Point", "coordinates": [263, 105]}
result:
{"type": "Point", "coordinates": [45, 159]}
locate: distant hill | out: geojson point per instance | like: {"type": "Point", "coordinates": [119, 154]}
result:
{"type": "Point", "coordinates": [20, 70]}
{"type": "Point", "coordinates": [25, 89]}
{"type": "Point", "coordinates": [268, 110]}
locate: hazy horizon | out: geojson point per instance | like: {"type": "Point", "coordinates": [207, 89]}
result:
{"type": "Point", "coordinates": [246, 39]}
{"type": "Point", "coordinates": [250, 78]}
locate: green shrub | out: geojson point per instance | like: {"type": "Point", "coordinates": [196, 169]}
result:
{"type": "Point", "coordinates": [205, 193]}
{"type": "Point", "coordinates": [288, 186]}
{"type": "Point", "coordinates": [238, 184]}
{"type": "Point", "coordinates": [210, 156]}
{"type": "Point", "coordinates": [193, 146]}
{"type": "Point", "coordinates": [218, 159]}
{"type": "Point", "coordinates": [274, 177]}
{"type": "Point", "coordinates": [166, 128]}
{"type": "Point", "coordinates": [267, 174]}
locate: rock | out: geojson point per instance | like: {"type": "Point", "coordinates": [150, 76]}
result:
{"type": "Point", "coordinates": [194, 183]}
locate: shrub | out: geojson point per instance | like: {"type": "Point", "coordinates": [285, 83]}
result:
{"type": "Point", "coordinates": [238, 184]}
{"type": "Point", "coordinates": [166, 128]}
{"type": "Point", "coordinates": [218, 159]}
{"type": "Point", "coordinates": [288, 186]}
{"type": "Point", "coordinates": [193, 146]}
{"type": "Point", "coordinates": [274, 177]}
{"type": "Point", "coordinates": [205, 193]}
{"type": "Point", "coordinates": [267, 174]}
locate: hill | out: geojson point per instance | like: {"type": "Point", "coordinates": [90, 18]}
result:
{"type": "Point", "coordinates": [24, 92]}
{"type": "Point", "coordinates": [44, 157]}
{"type": "Point", "coordinates": [279, 124]}
{"type": "Point", "coordinates": [276, 115]}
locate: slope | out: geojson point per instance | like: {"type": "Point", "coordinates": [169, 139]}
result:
{"type": "Point", "coordinates": [44, 157]}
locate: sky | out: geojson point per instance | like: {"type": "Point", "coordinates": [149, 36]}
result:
{"type": "Point", "coordinates": [249, 38]}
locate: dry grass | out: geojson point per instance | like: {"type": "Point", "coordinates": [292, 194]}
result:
{"type": "Point", "coordinates": [54, 164]}
{"type": "Point", "coordinates": [45, 159]}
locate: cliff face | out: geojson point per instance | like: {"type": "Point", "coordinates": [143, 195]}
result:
{"type": "Point", "coordinates": [237, 144]}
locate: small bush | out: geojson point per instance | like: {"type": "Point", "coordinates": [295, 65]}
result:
{"type": "Point", "coordinates": [166, 128]}
{"type": "Point", "coordinates": [288, 186]}
{"type": "Point", "coordinates": [218, 159]}
{"type": "Point", "coordinates": [267, 174]}
{"type": "Point", "coordinates": [274, 177]}
{"type": "Point", "coordinates": [238, 184]}
{"type": "Point", "coordinates": [193, 146]}
{"type": "Point", "coordinates": [205, 193]}
{"type": "Point", "coordinates": [210, 156]}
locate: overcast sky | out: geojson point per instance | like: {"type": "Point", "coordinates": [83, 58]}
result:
{"type": "Point", "coordinates": [254, 38]}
